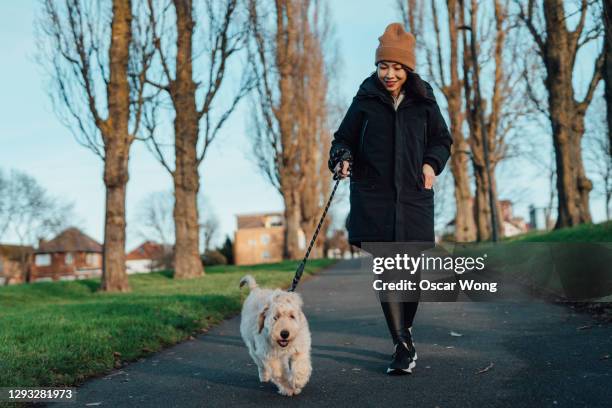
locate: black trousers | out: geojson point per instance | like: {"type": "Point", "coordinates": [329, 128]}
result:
{"type": "Point", "coordinates": [399, 317]}
{"type": "Point", "coordinates": [399, 314]}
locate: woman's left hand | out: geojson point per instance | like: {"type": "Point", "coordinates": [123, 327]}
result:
{"type": "Point", "coordinates": [429, 175]}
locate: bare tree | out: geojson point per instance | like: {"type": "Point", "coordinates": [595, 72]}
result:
{"type": "Point", "coordinates": [290, 127]}
{"type": "Point", "coordinates": [491, 116]}
{"type": "Point", "coordinates": [209, 228]}
{"type": "Point", "coordinates": [558, 46]}
{"type": "Point", "coordinates": [444, 73]}
{"type": "Point", "coordinates": [154, 217]}
{"type": "Point", "coordinates": [412, 14]}
{"type": "Point", "coordinates": [314, 125]}
{"type": "Point", "coordinates": [97, 70]}
{"type": "Point", "coordinates": [30, 212]}
{"type": "Point", "coordinates": [209, 223]}
{"type": "Point", "coordinates": [195, 56]}
{"type": "Point", "coordinates": [5, 210]}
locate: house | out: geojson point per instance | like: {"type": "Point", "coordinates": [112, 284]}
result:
{"type": "Point", "coordinates": [70, 255]}
{"type": "Point", "coordinates": [338, 247]}
{"type": "Point", "coordinates": [511, 225]}
{"type": "Point", "coordinates": [14, 263]}
{"type": "Point", "coordinates": [148, 257]}
{"type": "Point", "coordinates": [259, 238]}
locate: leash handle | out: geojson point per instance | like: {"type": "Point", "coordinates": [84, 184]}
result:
{"type": "Point", "coordinates": [300, 269]}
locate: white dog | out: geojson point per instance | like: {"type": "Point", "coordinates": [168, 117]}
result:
{"type": "Point", "coordinates": [276, 333]}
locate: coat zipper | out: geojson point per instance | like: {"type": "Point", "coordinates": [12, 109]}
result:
{"type": "Point", "coordinates": [362, 138]}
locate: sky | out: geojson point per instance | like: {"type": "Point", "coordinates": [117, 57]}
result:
{"type": "Point", "coordinates": [33, 140]}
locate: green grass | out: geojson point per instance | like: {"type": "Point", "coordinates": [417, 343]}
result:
{"type": "Point", "coordinates": [60, 333]}
{"type": "Point", "coordinates": [601, 232]}
{"type": "Point", "coordinates": [567, 263]}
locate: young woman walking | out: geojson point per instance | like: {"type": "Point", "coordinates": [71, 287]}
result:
{"type": "Point", "coordinates": [392, 142]}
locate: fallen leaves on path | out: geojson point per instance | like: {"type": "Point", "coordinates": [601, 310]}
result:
{"type": "Point", "coordinates": [484, 370]}
{"type": "Point", "coordinates": [605, 357]}
{"type": "Point", "coordinates": [455, 334]}
{"type": "Point", "coordinates": [584, 327]}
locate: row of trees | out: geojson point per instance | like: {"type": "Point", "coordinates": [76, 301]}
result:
{"type": "Point", "coordinates": [507, 61]}
{"type": "Point", "coordinates": [126, 70]}
{"type": "Point", "coordinates": [157, 71]}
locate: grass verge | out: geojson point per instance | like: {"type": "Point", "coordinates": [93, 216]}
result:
{"type": "Point", "coordinates": [60, 333]}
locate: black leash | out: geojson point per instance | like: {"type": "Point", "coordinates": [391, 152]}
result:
{"type": "Point", "coordinates": [300, 269]}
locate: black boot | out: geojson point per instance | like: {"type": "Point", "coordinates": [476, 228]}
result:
{"type": "Point", "coordinates": [402, 362]}
{"type": "Point", "coordinates": [404, 355]}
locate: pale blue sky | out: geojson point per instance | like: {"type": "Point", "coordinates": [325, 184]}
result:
{"type": "Point", "coordinates": [33, 140]}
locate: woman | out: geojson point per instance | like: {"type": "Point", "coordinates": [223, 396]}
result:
{"type": "Point", "coordinates": [393, 142]}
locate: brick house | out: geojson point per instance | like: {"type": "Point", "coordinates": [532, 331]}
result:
{"type": "Point", "coordinates": [259, 238]}
{"type": "Point", "coordinates": [14, 263]}
{"type": "Point", "coordinates": [70, 255]}
{"type": "Point", "coordinates": [148, 257]}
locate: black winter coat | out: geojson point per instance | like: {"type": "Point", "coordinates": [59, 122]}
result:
{"type": "Point", "coordinates": [387, 149]}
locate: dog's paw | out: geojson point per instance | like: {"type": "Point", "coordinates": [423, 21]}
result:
{"type": "Point", "coordinates": [264, 376]}
{"type": "Point", "coordinates": [286, 392]}
{"type": "Point", "coordinates": [296, 391]}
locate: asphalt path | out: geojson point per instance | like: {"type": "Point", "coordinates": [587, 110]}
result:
{"type": "Point", "coordinates": [527, 354]}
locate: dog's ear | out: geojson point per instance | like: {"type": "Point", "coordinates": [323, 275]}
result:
{"type": "Point", "coordinates": [262, 318]}
{"type": "Point", "coordinates": [296, 299]}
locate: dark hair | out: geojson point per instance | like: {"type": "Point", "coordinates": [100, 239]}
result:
{"type": "Point", "coordinates": [414, 84]}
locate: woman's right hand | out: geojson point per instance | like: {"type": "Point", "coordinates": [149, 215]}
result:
{"type": "Point", "coordinates": [342, 169]}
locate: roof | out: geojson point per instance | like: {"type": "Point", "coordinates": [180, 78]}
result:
{"type": "Point", "coordinates": [70, 240]}
{"type": "Point", "coordinates": [257, 220]}
{"type": "Point", "coordinates": [15, 252]}
{"type": "Point", "coordinates": [147, 250]}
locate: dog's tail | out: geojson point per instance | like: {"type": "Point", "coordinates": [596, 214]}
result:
{"type": "Point", "coordinates": [249, 280]}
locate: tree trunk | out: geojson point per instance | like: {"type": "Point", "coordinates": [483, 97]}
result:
{"type": "Point", "coordinates": [187, 261]}
{"type": "Point", "coordinates": [293, 217]}
{"type": "Point", "coordinates": [607, 69]}
{"type": "Point", "coordinates": [567, 119]}
{"type": "Point", "coordinates": [117, 140]}
{"type": "Point", "coordinates": [465, 227]}
{"type": "Point", "coordinates": [114, 277]}
{"type": "Point", "coordinates": [572, 184]}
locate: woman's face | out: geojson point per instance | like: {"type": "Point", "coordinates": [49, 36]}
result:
{"type": "Point", "coordinates": [392, 75]}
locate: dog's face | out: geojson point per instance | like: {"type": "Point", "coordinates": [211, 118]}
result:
{"type": "Point", "coordinates": [282, 318]}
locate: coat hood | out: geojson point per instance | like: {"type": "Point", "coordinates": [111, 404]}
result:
{"type": "Point", "coordinates": [372, 87]}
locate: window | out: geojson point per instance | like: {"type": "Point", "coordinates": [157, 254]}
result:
{"type": "Point", "coordinates": [252, 242]}
{"type": "Point", "coordinates": [92, 259]}
{"type": "Point", "coordinates": [274, 221]}
{"type": "Point", "coordinates": [1, 266]}
{"type": "Point", "coordinates": [265, 239]}
{"type": "Point", "coordinates": [43, 260]}
{"type": "Point", "coordinates": [265, 255]}
{"type": "Point", "coordinates": [69, 259]}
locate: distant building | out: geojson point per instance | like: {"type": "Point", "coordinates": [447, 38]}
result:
{"type": "Point", "coordinates": [14, 263]}
{"type": "Point", "coordinates": [70, 255]}
{"type": "Point", "coordinates": [259, 238]}
{"type": "Point", "coordinates": [338, 247]}
{"type": "Point", "coordinates": [148, 257]}
{"type": "Point", "coordinates": [511, 225]}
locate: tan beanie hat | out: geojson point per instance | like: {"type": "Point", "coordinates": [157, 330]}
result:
{"type": "Point", "coordinates": [396, 45]}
